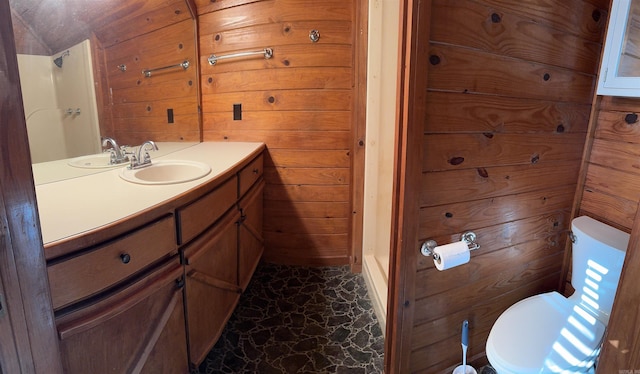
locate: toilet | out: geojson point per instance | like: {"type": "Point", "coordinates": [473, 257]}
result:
{"type": "Point", "coordinates": [550, 333]}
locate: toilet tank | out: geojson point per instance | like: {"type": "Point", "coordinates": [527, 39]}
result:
{"type": "Point", "coordinates": [597, 256]}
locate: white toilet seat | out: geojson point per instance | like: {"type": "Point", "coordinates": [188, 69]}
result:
{"type": "Point", "coordinates": [545, 333]}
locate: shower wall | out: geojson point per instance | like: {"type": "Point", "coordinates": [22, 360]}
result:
{"type": "Point", "coordinates": [44, 119]}
{"type": "Point", "coordinates": [381, 104]}
{"type": "Point", "coordinates": [48, 93]}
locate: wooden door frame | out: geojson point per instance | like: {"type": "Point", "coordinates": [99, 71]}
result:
{"type": "Point", "coordinates": [358, 131]}
{"type": "Point", "coordinates": [410, 117]}
{"type": "Point", "coordinates": [27, 322]}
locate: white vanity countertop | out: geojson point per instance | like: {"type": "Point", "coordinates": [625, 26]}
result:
{"type": "Point", "coordinates": [74, 206]}
{"type": "Point", "coordinates": [54, 171]}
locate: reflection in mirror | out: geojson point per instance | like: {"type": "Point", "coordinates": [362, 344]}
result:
{"type": "Point", "coordinates": [60, 104]}
{"type": "Point", "coordinates": [630, 56]}
{"type": "Point", "coordinates": [82, 69]}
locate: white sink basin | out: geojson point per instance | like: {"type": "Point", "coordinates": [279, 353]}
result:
{"type": "Point", "coordinates": [166, 172]}
{"type": "Point", "coordinates": [97, 161]}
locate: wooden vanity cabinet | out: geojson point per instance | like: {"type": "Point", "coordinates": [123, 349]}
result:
{"type": "Point", "coordinates": [155, 297]}
{"type": "Point", "coordinates": [250, 240]}
{"type": "Point", "coordinates": [212, 290]}
{"type": "Point", "coordinates": [220, 262]}
{"type": "Point", "coordinates": [139, 329]}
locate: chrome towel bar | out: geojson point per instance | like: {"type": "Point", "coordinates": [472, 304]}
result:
{"type": "Point", "coordinates": [267, 52]}
{"type": "Point", "coordinates": [184, 65]}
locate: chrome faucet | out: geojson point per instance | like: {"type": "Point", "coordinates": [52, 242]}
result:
{"type": "Point", "coordinates": [118, 155]}
{"type": "Point", "coordinates": [142, 158]}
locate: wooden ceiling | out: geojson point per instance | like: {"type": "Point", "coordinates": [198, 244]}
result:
{"type": "Point", "coordinates": [51, 26]}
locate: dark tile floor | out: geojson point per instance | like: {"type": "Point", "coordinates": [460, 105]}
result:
{"type": "Point", "coordinates": [300, 320]}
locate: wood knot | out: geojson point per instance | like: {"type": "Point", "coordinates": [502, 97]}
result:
{"type": "Point", "coordinates": [596, 15]}
{"type": "Point", "coordinates": [560, 128]}
{"type": "Point", "coordinates": [434, 59]}
{"type": "Point", "coordinates": [488, 135]}
{"type": "Point", "coordinates": [495, 18]}
{"type": "Point", "coordinates": [631, 118]}
{"type": "Point", "coordinates": [448, 214]}
{"type": "Point", "coordinates": [217, 37]}
{"type": "Point", "coordinates": [546, 76]}
{"type": "Point", "coordinates": [271, 99]}
{"type": "Point", "coordinates": [535, 158]}
{"type": "Point", "coordinates": [483, 172]}
{"type": "Point", "coordinates": [210, 80]}
{"type": "Point", "coordinates": [456, 160]}
{"type": "Point", "coordinates": [286, 63]}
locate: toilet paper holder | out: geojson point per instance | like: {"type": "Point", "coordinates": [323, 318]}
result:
{"type": "Point", "coordinates": [468, 237]}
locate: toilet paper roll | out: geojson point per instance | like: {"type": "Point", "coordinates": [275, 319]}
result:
{"type": "Point", "coordinates": [451, 255]}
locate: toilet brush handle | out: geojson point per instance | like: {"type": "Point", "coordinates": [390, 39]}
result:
{"type": "Point", "coordinates": [465, 333]}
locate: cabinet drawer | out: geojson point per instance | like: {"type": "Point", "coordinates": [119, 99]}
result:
{"type": "Point", "coordinates": [200, 214]}
{"type": "Point", "coordinates": [89, 273]}
{"type": "Point", "coordinates": [249, 175]}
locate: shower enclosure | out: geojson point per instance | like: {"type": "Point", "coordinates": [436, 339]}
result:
{"type": "Point", "coordinates": [60, 104]}
{"type": "Point", "coordinates": [380, 135]}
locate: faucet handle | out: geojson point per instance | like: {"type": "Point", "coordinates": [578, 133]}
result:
{"type": "Point", "coordinates": [133, 162]}
{"type": "Point", "coordinates": [146, 157]}
{"type": "Point", "coordinates": [112, 156]}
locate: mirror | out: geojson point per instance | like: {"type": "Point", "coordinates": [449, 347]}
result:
{"type": "Point", "coordinates": [620, 69]}
{"type": "Point", "coordinates": [123, 69]}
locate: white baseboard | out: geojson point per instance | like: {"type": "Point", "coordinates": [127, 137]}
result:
{"type": "Point", "coordinates": [377, 286]}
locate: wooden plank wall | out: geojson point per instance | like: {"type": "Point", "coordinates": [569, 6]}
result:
{"type": "Point", "coordinates": [612, 180]}
{"type": "Point", "coordinates": [300, 103]}
{"type": "Point", "coordinates": [508, 101]}
{"type": "Point", "coordinates": [135, 107]}
{"type": "Point", "coordinates": [610, 194]}
{"type": "Point", "coordinates": [27, 42]}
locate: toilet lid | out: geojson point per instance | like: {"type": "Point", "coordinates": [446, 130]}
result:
{"type": "Point", "coordinates": [544, 332]}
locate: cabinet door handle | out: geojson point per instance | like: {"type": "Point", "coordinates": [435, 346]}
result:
{"type": "Point", "coordinates": [256, 171]}
{"type": "Point", "coordinates": [125, 258]}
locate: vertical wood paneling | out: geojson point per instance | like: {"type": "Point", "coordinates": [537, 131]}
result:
{"type": "Point", "coordinates": [509, 94]}
{"type": "Point", "coordinates": [300, 103]}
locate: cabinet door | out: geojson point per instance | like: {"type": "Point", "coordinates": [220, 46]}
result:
{"type": "Point", "coordinates": [138, 330]}
{"type": "Point", "coordinates": [251, 242]}
{"type": "Point", "coordinates": [212, 290]}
